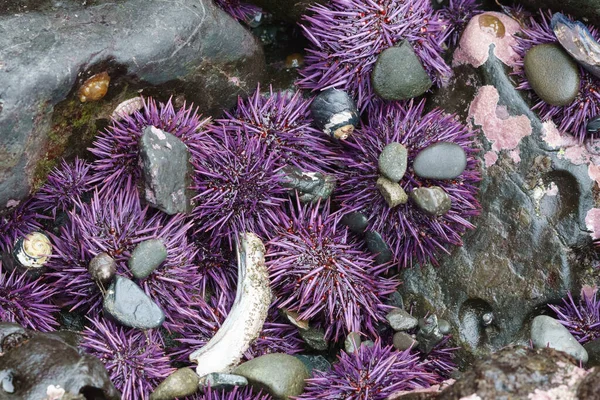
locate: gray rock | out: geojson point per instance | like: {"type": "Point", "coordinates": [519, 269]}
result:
{"type": "Point", "coordinates": [444, 326]}
{"type": "Point", "coordinates": [593, 350]}
{"type": "Point", "coordinates": [433, 200]}
{"type": "Point", "coordinates": [280, 374]}
{"type": "Point", "coordinates": [194, 49]}
{"type": "Point", "coordinates": [552, 73]}
{"type": "Point", "coordinates": [441, 160]}
{"type": "Point", "coordinates": [429, 334]}
{"type": "Point", "coordinates": [587, 9]}
{"type": "Point", "coordinates": [219, 381]}
{"type": "Point", "coordinates": [167, 171]}
{"type": "Point", "coordinates": [310, 186]}
{"type": "Point", "coordinates": [314, 363]}
{"type": "Point", "coordinates": [392, 192]}
{"type": "Point", "coordinates": [287, 10]}
{"type": "Point", "coordinates": [392, 161]}
{"type": "Point", "coordinates": [181, 383]}
{"type": "Point", "coordinates": [403, 341]}
{"type": "Point", "coordinates": [130, 306]}
{"type": "Point", "coordinates": [146, 257]}
{"type": "Point", "coordinates": [398, 74]}
{"type": "Point", "coordinates": [400, 320]}
{"type": "Point", "coordinates": [314, 338]}
{"type": "Point", "coordinates": [377, 245]}
{"type": "Point", "coordinates": [356, 221]}
{"type": "Point", "coordinates": [548, 332]}
{"type": "Point", "coordinates": [352, 342]}
{"type": "Point", "coordinates": [368, 343]}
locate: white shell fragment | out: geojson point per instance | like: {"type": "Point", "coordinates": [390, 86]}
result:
{"type": "Point", "coordinates": [127, 108]}
{"type": "Point", "coordinates": [33, 250]}
{"type": "Point", "coordinates": [248, 313]}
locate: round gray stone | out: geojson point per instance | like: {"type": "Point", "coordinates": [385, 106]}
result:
{"type": "Point", "coordinates": [400, 320]}
{"type": "Point", "coordinates": [433, 200]}
{"type": "Point", "coordinates": [443, 160]}
{"type": "Point", "coordinates": [181, 383]}
{"type": "Point", "coordinates": [146, 257]}
{"type": "Point", "coordinates": [356, 221]}
{"type": "Point", "coordinates": [280, 374]}
{"type": "Point", "coordinates": [352, 342]}
{"type": "Point", "coordinates": [552, 73]}
{"type": "Point", "coordinates": [444, 326]}
{"type": "Point", "coordinates": [377, 245]}
{"type": "Point", "coordinates": [403, 341]}
{"type": "Point", "coordinates": [392, 161]}
{"type": "Point", "coordinates": [548, 332]}
{"type": "Point", "coordinates": [398, 74]}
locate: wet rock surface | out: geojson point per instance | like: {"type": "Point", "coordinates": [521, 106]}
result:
{"type": "Point", "coordinates": [441, 160]}
{"type": "Point", "coordinates": [146, 257]}
{"type": "Point", "coordinates": [172, 50]}
{"type": "Point", "coordinates": [183, 382]}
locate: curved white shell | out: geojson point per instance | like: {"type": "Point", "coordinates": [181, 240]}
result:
{"type": "Point", "coordinates": [33, 250]}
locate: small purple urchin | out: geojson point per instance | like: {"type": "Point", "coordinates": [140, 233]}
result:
{"type": "Point", "coordinates": [317, 271]}
{"type": "Point", "coordinates": [582, 319]}
{"type": "Point", "coordinates": [239, 10]}
{"type": "Point", "coordinates": [16, 224]}
{"type": "Point", "coordinates": [571, 118]}
{"type": "Point", "coordinates": [411, 234]}
{"type": "Point", "coordinates": [237, 393]}
{"type": "Point", "coordinates": [282, 121]}
{"type": "Point", "coordinates": [239, 187]}
{"type": "Point", "coordinates": [66, 184]}
{"type": "Point", "coordinates": [440, 360]}
{"type": "Point", "coordinates": [117, 148]}
{"type": "Point", "coordinates": [134, 359]}
{"type": "Point", "coordinates": [218, 268]}
{"type": "Point", "coordinates": [115, 223]}
{"type": "Point", "coordinates": [457, 15]}
{"type": "Point", "coordinates": [371, 373]}
{"type": "Point", "coordinates": [27, 301]}
{"type": "Point", "coordinates": [348, 35]}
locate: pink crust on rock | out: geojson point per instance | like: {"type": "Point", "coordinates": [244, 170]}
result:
{"type": "Point", "coordinates": [475, 42]}
{"type": "Point", "coordinates": [592, 222]}
{"type": "Point", "coordinates": [503, 131]}
{"type": "Point", "coordinates": [490, 158]}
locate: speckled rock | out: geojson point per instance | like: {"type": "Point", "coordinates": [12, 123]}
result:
{"type": "Point", "coordinates": [403, 341]}
{"type": "Point", "coordinates": [552, 73]}
{"type": "Point", "coordinates": [314, 363]}
{"type": "Point", "coordinates": [433, 200]}
{"type": "Point", "coordinates": [183, 382]}
{"type": "Point", "coordinates": [392, 192]}
{"type": "Point", "coordinates": [392, 161]}
{"type": "Point", "coordinates": [314, 338]}
{"type": "Point", "coordinates": [220, 381]}
{"type": "Point", "coordinates": [548, 332]}
{"type": "Point", "coordinates": [146, 257]}
{"type": "Point", "coordinates": [400, 320]}
{"type": "Point", "coordinates": [441, 160]}
{"type": "Point", "coordinates": [280, 374]}
{"type": "Point", "coordinates": [352, 342]}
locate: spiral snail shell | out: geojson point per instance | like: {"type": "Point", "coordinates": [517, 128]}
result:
{"type": "Point", "coordinates": [33, 250]}
{"type": "Point", "coordinates": [94, 88]}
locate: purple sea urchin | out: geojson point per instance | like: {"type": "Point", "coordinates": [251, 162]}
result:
{"type": "Point", "coordinates": [317, 272]}
{"type": "Point", "coordinates": [117, 148]}
{"type": "Point", "coordinates": [457, 14]}
{"type": "Point", "coordinates": [26, 301]}
{"type": "Point", "coordinates": [134, 359]}
{"type": "Point", "coordinates": [239, 187]}
{"type": "Point", "coordinates": [65, 185]}
{"type": "Point", "coordinates": [237, 393]}
{"type": "Point", "coordinates": [573, 117]}
{"type": "Point", "coordinates": [239, 10]}
{"type": "Point", "coordinates": [412, 234]}
{"type": "Point", "coordinates": [348, 35]}
{"type": "Point", "coordinates": [440, 360]}
{"type": "Point", "coordinates": [371, 373]}
{"type": "Point", "coordinates": [17, 223]}
{"type": "Point", "coordinates": [582, 319]}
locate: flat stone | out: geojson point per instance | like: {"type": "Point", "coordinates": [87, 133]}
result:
{"type": "Point", "coordinates": [377, 245]}
{"type": "Point", "coordinates": [433, 200]}
{"type": "Point", "coordinates": [552, 74]}
{"type": "Point", "coordinates": [392, 161]}
{"type": "Point", "coordinates": [314, 338]}
{"type": "Point", "coordinates": [392, 192]}
{"type": "Point", "coordinates": [400, 320]}
{"type": "Point", "coordinates": [146, 257]}
{"type": "Point", "coordinates": [352, 342]}
{"type": "Point", "coordinates": [280, 374]}
{"type": "Point", "coordinates": [443, 160]}
{"type": "Point", "coordinates": [181, 383]}
{"type": "Point", "coordinates": [219, 381]}
{"type": "Point", "coordinates": [398, 74]}
{"type": "Point", "coordinates": [130, 306]}
{"type": "Point", "coordinates": [548, 332]}
{"type": "Point", "coordinates": [167, 171]}
{"type": "Point", "coordinates": [314, 363]}
{"type": "Point", "coordinates": [403, 341]}
{"type": "Point", "coordinates": [356, 221]}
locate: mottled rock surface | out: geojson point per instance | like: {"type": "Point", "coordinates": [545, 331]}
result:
{"type": "Point", "coordinates": [183, 382]}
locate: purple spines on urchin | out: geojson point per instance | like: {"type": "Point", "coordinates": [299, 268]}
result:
{"type": "Point", "coordinates": [572, 118]}
{"type": "Point", "coordinates": [581, 318]}
{"type": "Point", "coordinates": [27, 301]}
{"type": "Point", "coordinates": [282, 121]}
{"type": "Point", "coordinates": [114, 223]}
{"type": "Point", "coordinates": [18, 223]}
{"type": "Point", "coordinates": [348, 35]}
{"type": "Point", "coordinates": [317, 271]}
{"type": "Point", "coordinates": [412, 235]}
{"type": "Point", "coordinates": [440, 360]}
{"type": "Point", "coordinates": [117, 149]}
{"type": "Point", "coordinates": [239, 187]}
{"type": "Point", "coordinates": [372, 372]}
{"type": "Point", "coordinates": [239, 10]}
{"type": "Point", "coordinates": [238, 393]}
{"type": "Point", "coordinates": [457, 14]}
{"type": "Point", "coordinates": [135, 360]}
{"type": "Point", "coordinates": [66, 184]}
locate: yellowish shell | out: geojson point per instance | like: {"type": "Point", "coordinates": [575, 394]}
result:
{"type": "Point", "coordinates": [94, 88]}
{"type": "Point", "coordinates": [33, 250]}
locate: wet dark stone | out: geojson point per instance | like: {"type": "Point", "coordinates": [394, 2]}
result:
{"type": "Point", "coordinates": [440, 161]}
{"type": "Point", "coordinates": [356, 221]}
{"type": "Point", "coordinates": [433, 200]}
{"type": "Point", "coordinates": [310, 186]}
{"type": "Point", "coordinates": [334, 112]}
{"type": "Point", "coordinates": [376, 245]}
{"type": "Point", "coordinates": [287, 10]}
{"type": "Point", "coordinates": [314, 363]}
{"type": "Point", "coordinates": [588, 9]}
{"type": "Point", "coordinates": [42, 360]}
{"type": "Point", "coordinates": [181, 383]}
{"type": "Point", "coordinates": [219, 381]}
{"type": "Point", "coordinates": [429, 334]}
{"type": "Point", "coordinates": [593, 126]}
{"type": "Point", "coordinates": [130, 306]}
{"type": "Point", "coordinates": [392, 161]}
{"type": "Point", "coordinates": [398, 74]}
{"type": "Point", "coordinates": [167, 171]}
{"type": "Point", "coordinates": [314, 338]}
{"type": "Point", "coordinates": [146, 257]}
{"type": "Point", "coordinates": [194, 49]}
{"type": "Point", "coordinates": [403, 341]}
{"type": "Point", "coordinates": [593, 350]}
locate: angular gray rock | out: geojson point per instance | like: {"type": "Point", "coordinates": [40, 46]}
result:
{"type": "Point", "coordinates": [403, 341]}
{"type": "Point", "coordinates": [146, 257]}
{"type": "Point", "coordinates": [392, 161]}
{"type": "Point", "coordinates": [314, 338]}
{"type": "Point", "coordinates": [400, 320]}
{"type": "Point", "coordinates": [441, 160]}
{"type": "Point", "coordinates": [193, 48]}
{"type": "Point", "coordinates": [130, 306]}
{"type": "Point", "coordinates": [181, 383]}
{"type": "Point", "coordinates": [392, 192]}
{"type": "Point", "coordinates": [167, 171]}
{"type": "Point", "coordinates": [433, 200]}
{"type": "Point", "coordinates": [548, 332]}
{"type": "Point", "coordinates": [314, 363]}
